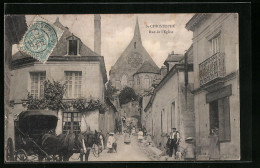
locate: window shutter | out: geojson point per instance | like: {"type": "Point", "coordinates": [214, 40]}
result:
{"type": "Point", "coordinates": [227, 119]}
{"type": "Point", "coordinates": [221, 119]}
{"type": "Point", "coordinates": [224, 119]}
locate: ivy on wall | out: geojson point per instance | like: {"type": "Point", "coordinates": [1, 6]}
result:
{"type": "Point", "coordinates": [53, 100]}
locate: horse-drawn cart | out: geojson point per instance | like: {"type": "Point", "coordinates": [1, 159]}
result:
{"type": "Point", "coordinates": [35, 139]}
{"type": "Point", "coordinates": [29, 128]}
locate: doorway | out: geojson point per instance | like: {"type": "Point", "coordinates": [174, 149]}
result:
{"type": "Point", "coordinates": [214, 147]}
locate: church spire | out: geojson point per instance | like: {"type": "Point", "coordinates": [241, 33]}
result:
{"type": "Point", "coordinates": [137, 34]}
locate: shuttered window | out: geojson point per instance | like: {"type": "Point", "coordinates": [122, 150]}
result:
{"type": "Point", "coordinates": [73, 84]}
{"type": "Point", "coordinates": [224, 119]}
{"type": "Point", "coordinates": [37, 84]}
{"type": "Point", "coordinates": [215, 44]}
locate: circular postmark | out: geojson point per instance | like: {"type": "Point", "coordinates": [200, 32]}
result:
{"type": "Point", "coordinates": [41, 37]}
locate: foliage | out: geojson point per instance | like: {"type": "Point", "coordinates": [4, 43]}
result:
{"type": "Point", "coordinates": [53, 95]}
{"type": "Point", "coordinates": [84, 105]}
{"type": "Point", "coordinates": [127, 95]}
{"type": "Point", "coordinates": [35, 104]}
{"type": "Point", "coordinates": [52, 99]}
{"type": "Point", "coordinates": [110, 90]}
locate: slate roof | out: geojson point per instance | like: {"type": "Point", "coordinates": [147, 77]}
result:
{"type": "Point", "coordinates": [61, 47]}
{"type": "Point", "coordinates": [174, 57]}
{"type": "Point", "coordinates": [147, 67]}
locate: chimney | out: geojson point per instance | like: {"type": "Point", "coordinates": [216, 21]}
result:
{"type": "Point", "coordinates": [97, 34]}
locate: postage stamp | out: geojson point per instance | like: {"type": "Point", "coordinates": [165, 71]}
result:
{"type": "Point", "coordinates": [40, 39]}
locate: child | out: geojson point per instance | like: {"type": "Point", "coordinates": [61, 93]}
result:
{"type": "Point", "coordinates": [110, 141]}
{"type": "Point", "coordinates": [149, 139]}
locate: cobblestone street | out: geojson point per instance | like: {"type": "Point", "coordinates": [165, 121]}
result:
{"type": "Point", "coordinates": [125, 152]}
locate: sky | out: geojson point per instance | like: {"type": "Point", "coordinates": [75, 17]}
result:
{"type": "Point", "coordinates": [117, 31]}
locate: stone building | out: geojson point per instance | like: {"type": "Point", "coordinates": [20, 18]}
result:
{"type": "Point", "coordinates": [170, 104]}
{"type": "Point", "coordinates": [134, 68]}
{"type": "Point", "coordinates": [73, 62]}
{"type": "Point", "coordinates": [216, 85]}
{"type": "Point", "coordinates": [15, 27]}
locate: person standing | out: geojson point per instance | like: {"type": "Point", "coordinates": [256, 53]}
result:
{"type": "Point", "coordinates": [110, 142]}
{"type": "Point", "coordinates": [140, 135]}
{"type": "Point", "coordinates": [174, 139]}
{"type": "Point", "coordinates": [127, 138]}
{"type": "Point", "coordinates": [124, 121]}
{"type": "Point", "coordinates": [133, 130]}
{"type": "Point", "coordinates": [144, 130]}
{"type": "Point", "coordinates": [101, 137]}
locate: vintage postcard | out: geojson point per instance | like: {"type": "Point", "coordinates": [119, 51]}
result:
{"type": "Point", "coordinates": [122, 87]}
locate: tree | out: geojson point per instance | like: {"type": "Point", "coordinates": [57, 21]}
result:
{"type": "Point", "coordinates": [127, 95]}
{"type": "Point", "coordinates": [109, 91]}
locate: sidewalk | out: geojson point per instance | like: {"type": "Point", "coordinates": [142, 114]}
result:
{"type": "Point", "coordinates": [154, 153]}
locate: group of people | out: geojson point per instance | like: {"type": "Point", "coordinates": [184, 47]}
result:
{"type": "Point", "coordinates": [141, 134]}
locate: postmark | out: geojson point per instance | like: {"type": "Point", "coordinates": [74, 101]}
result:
{"type": "Point", "coordinates": [40, 39]}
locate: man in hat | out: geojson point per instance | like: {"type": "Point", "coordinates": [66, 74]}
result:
{"type": "Point", "coordinates": [174, 138]}
{"type": "Point", "coordinates": [110, 142]}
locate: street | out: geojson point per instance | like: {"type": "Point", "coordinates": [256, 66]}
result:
{"type": "Point", "coordinates": [125, 152]}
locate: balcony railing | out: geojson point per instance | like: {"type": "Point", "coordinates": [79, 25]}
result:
{"type": "Point", "coordinates": [212, 68]}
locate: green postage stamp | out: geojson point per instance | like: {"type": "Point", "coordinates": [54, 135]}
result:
{"type": "Point", "coordinates": [40, 39]}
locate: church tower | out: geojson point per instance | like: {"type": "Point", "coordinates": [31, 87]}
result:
{"type": "Point", "coordinates": [130, 61]}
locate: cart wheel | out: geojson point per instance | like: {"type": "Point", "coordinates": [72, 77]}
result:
{"type": "Point", "coordinates": [95, 150]}
{"type": "Point", "coordinates": [21, 155]}
{"type": "Point", "coordinates": [10, 150]}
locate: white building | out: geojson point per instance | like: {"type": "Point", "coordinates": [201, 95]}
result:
{"type": "Point", "coordinates": [216, 85]}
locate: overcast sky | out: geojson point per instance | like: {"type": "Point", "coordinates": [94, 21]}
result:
{"type": "Point", "coordinates": [117, 31]}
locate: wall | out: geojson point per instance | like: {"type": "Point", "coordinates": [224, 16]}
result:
{"type": "Point", "coordinates": [140, 89]}
{"type": "Point", "coordinates": [228, 25]}
{"type": "Point", "coordinates": [107, 121]}
{"type": "Point", "coordinates": [92, 85]}
{"type": "Point", "coordinates": [92, 81]}
{"type": "Point", "coordinates": [145, 101]}
{"type": "Point", "coordinates": [163, 100]}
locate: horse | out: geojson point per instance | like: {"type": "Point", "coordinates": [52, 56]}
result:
{"type": "Point", "coordinates": [61, 145]}
{"type": "Point", "coordinates": [64, 145]}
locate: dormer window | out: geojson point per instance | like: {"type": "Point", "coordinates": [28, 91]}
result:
{"type": "Point", "coordinates": [73, 45]}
